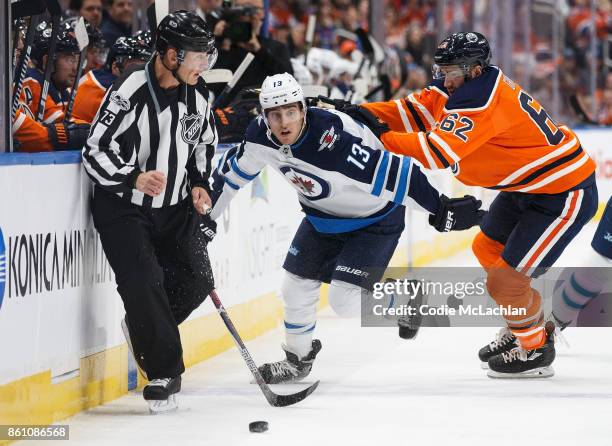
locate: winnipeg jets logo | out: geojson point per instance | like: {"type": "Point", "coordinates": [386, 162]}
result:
{"type": "Point", "coordinates": [305, 186]}
{"type": "Point", "coordinates": [308, 185]}
{"type": "Point", "coordinates": [471, 37]}
{"type": "Point", "coordinates": [328, 139]}
{"type": "Point", "coordinates": [608, 237]}
{"type": "Point", "coordinates": [191, 126]}
{"type": "Point", "coordinates": [121, 102]}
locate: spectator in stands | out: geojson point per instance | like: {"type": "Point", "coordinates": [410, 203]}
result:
{"type": "Point", "coordinates": [271, 57]}
{"type": "Point", "coordinates": [209, 11]}
{"type": "Point", "coordinates": [117, 20]}
{"type": "Point", "coordinates": [90, 10]}
{"type": "Point", "coordinates": [604, 116]}
{"type": "Point", "coordinates": [326, 28]}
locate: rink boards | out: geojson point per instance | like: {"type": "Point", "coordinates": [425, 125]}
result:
{"type": "Point", "coordinates": [61, 345]}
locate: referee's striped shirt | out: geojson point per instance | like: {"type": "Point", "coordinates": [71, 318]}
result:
{"type": "Point", "coordinates": [140, 127]}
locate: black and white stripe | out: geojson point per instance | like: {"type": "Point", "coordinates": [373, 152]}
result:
{"type": "Point", "coordinates": [139, 128]}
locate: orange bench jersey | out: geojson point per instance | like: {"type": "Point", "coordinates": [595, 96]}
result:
{"type": "Point", "coordinates": [32, 135]}
{"type": "Point", "coordinates": [491, 133]}
{"type": "Point", "coordinates": [91, 91]}
{"type": "Point", "coordinates": [30, 95]}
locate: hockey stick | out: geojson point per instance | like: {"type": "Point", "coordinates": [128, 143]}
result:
{"type": "Point", "coordinates": [312, 22]}
{"type": "Point", "coordinates": [273, 398]}
{"type": "Point", "coordinates": [56, 12]}
{"type": "Point", "coordinates": [220, 101]}
{"type": "Point", "coordinates": [367, 49]}
{"type": "Point", "coordinates": [217, 76]}
{"type": "Point", "coordinates": [83, 40]}
{"type": "Point", "coordinates": [22, 67]}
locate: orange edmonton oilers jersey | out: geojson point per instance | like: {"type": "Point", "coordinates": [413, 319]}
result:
{"type": "Point", "coordinates": [30, 95]}
{"type": "Point", "coordinates": [90, 93]}
{"type": "Point", "coordinates": [491, 133]}
{"type": "Point", "coordinates": [31, 134]}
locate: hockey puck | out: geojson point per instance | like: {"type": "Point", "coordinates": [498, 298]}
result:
{"type": "Point", "coordinates": [258, 426]}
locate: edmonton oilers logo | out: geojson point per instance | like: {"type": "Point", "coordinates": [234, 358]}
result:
{"type": "Point", "coordinates": [2, 266]}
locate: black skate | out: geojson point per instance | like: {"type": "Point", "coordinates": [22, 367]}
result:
{"type": "Point", "coordinates": [504, 341]}
{"type": "Point", "coordinates": [521, 363]}
{"type": "Point", "coordinates": [291, 369]}
{"type": "Point", "coordinates": [126, 333]}
{"type": "Point", "coordinates": [161, 394]}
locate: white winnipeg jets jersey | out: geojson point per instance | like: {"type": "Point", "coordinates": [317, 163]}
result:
{"type": "Point", "coordinates": [343, 177]}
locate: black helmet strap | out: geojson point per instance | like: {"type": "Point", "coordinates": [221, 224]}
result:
{"type": "Point", "coordinates": [180, 56]}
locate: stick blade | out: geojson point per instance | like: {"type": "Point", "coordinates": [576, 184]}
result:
{"type": "Point", "coordinates": [288, 400]}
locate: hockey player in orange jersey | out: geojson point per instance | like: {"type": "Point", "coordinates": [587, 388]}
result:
{"type": "Point", "coordinates": [64, 62]}
{"type": "Point", "coordinates": [33, 136]}
{"type": "Point", "coordinates": [125, 52]}
{"type": "Point", "coordinates": [491, 133]}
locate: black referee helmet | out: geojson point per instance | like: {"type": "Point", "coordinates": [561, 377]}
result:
{"type": "Point", "coordinates": [184, 31]}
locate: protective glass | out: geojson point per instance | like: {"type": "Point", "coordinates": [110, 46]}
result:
{"type": "Point", "coordinates": [448, 71]}
{"type": "Point", "coordinates": [200, 62]}
{"type": "Point", "coordinates": [285, 115]}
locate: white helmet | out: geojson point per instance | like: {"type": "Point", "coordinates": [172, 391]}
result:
{"type": "Point", "coordinates": [280, 89]}
{"type": "Point", "coordinates": [277, 90]}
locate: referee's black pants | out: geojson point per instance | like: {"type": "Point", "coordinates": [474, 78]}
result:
{"type": "Point", "coordinates": [162, 271]}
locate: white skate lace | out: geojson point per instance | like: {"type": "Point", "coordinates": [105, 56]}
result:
{"type": "Point", "coordinates": [504, 336]}
{"type": "Point", "coordinates": [160, 382]}
{"type": "Point", "coordinates": [514, 354]}
{"type": "Point", "coordinates": [283, 368]}
{"type": "Point", "coordinates": [559, 336]}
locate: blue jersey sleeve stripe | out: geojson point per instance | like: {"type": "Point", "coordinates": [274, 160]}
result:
{"type": "Point", "coordinates": [403, 181]}
{"type": "Point", "coordinates": [230, 184]}
{"type": "Point", "coordinates": [241, 173]}
{"type": "Point", "coordinates": [380, 176]}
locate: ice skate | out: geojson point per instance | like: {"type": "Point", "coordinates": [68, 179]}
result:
{"type": "Point", "coordinates": [161, 394]}
{"type": "Point", "coordinates": [291, 369]}
{"type": "Point", "coordinates": [521, 363]}
{"type": "Point", "coordinates": [504, 341]}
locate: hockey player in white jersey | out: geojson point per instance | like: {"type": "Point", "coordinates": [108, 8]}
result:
{"type": "Point", "coordinates": [353, 194]}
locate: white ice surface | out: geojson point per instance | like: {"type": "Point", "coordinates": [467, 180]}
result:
{"type": "Point", "coordinates": [377, 389]}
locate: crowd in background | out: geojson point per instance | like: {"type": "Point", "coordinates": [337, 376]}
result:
{"type": "Point", "coordinates": [339, 57]}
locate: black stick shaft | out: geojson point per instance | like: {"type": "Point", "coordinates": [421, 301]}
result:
{"type": "Point", "coordinates": [73, 92]}
{"type": "Point", "coordinates": [23, 64]}
{"type": "Point", "coordinates": [42, 100]}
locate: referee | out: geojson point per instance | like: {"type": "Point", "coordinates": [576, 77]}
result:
{"type": "Point", "coordinates": [149, 154]}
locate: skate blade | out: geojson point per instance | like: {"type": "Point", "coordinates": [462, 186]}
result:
{"type": "Point", "coordinates": [540, 372]}
{"type": "Point", "coordinates": [484, 365]}
{"type": "Point", "coordinates": [162, 406]}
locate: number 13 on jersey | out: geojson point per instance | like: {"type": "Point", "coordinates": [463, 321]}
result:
{"type": "Point", "coordinates": [361, 156]}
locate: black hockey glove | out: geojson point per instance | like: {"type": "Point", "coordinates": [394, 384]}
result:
{"type": "Point", "coordinates": [457, 214]}
{"type": "Point", "coordinates": [68, 136]}
{"type": "Point", "coordinates": [208, 227]}
{"type": "Point", "coordinates": [360, 114]}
